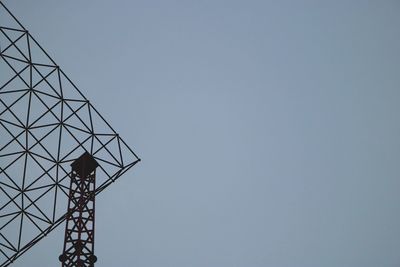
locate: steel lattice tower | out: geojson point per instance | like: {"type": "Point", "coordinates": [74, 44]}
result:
{"type": "Point", "coordinates": [79, 231]}
{"type": "Point", "coordinates": [46, 126]}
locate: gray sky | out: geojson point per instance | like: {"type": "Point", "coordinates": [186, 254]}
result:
{"type": "Point", "coordinates": [269, 130]}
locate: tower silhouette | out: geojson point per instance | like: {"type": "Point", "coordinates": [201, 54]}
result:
{"type": "Point", "coordinates": [47, 124]}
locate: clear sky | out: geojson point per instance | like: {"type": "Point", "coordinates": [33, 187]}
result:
{"type": "Point", "coordinates": [269, 130]}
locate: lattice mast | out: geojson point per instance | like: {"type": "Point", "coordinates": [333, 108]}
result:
{"type": "Point", "coordinates": [78, 247]}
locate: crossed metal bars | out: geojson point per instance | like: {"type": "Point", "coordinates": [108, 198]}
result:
{"type": "Point", "coordinates": [45, 124]}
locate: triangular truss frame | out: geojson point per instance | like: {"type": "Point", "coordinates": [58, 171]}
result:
{"type": "Point", "coordinates": [45, 124]}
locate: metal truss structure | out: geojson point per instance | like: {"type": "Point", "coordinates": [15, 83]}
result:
{"type": "Point", "coordinates": [79, 231]}
{"type": "Point", "coordinates": [46, 123]}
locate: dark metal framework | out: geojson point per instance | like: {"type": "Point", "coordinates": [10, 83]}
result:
{"type": "Point", "coordinates": [79, 231]}
{"type": "Point", "coordinates": [46, 123]}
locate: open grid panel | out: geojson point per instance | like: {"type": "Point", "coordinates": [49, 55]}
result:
{"type": "Point", "coordinates": [45, 124]}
